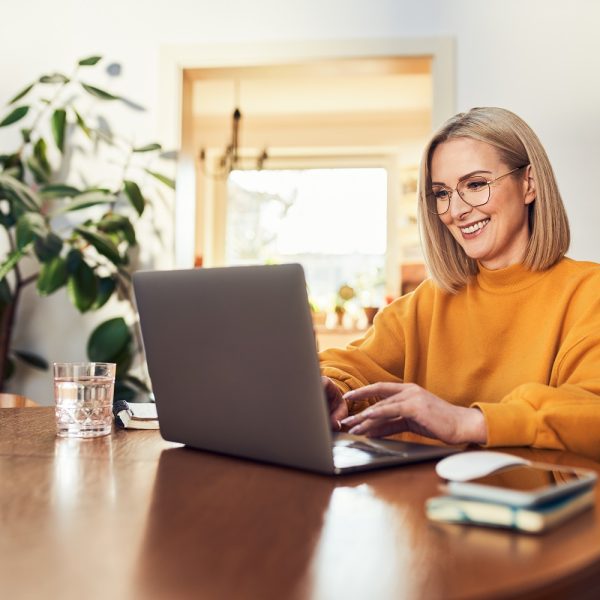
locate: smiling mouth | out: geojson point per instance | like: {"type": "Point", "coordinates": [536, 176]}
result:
{"type": "Point", "coordinates": [474, 227]}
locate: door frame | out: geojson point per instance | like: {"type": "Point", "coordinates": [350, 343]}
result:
{"type": "Point", "coordinates": [174, 60]}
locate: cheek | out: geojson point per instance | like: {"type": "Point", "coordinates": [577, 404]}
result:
{"type": "Point", "coordinates": [445, 219]}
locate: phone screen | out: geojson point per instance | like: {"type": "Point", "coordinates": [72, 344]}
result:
{"type": "Point", "coordinates": [528, 478]}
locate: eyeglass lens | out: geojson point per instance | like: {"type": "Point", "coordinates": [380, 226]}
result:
{"type": "Point", "coordinates": [474, 191]}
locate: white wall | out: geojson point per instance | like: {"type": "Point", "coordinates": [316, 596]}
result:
{"type": "Point", "coordinates": [539, 58]}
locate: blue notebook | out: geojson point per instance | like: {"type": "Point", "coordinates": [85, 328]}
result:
{"type": "Point", "coordinates": [452, 509]}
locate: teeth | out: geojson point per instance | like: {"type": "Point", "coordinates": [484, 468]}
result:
{"type": "Point", "coordinates": [473, 228]}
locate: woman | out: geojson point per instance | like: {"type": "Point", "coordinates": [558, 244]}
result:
{"type": "Point", "coordinates": [501, 347]}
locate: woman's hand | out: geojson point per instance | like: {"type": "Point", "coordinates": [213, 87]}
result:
{"type": "Point", "coordinates": [409, 407]}
{"type": "Point", "coordinates": [338, 409]}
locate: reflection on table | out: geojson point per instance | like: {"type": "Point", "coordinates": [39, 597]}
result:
{"type": "Point", "coordinates": [133, 516]}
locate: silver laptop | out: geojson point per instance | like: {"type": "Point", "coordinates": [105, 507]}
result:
{"type": "Point", "coordinates": [233, 362]}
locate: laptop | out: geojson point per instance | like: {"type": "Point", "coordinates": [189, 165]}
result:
{"type": "Point", "coordinates": [232, 357]}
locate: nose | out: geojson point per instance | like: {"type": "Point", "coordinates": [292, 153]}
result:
{"type": "Point", "coordinates": [458, 207]}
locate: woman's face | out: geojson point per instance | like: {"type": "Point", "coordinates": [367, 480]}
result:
{"type": "Point", "coordinates": [496, 233]}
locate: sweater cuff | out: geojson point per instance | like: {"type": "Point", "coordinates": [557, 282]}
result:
{"type": "Point", "coordinates": [508, 423]}
{"type": "Point", "coordinates": [345, 385]}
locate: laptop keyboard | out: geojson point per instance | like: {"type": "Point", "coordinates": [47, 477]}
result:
{"type": "Point", "coordinates": [352, 453]}
{"type": "Point", "coordinates": [373, 450]}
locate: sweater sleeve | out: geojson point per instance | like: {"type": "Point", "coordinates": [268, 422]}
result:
{"type": "Point", "coordinates": [378, 356]}
{"type": "Point", "coordinates": [564, 414]}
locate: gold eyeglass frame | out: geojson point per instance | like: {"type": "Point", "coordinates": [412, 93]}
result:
{"type": "Point", "coordinates": [452, 190]}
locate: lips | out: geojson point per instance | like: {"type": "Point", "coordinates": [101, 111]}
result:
{"type": "Point", "coordinates": [474, 227]}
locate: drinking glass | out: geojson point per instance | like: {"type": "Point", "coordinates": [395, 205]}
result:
{"type": "Point", "coordinates": [83, 394]}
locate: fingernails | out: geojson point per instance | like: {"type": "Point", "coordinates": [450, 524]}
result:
{"type": "Point", "coordinates": [348, 420]}
{"type": "Point", "coordinates": [356, 430]}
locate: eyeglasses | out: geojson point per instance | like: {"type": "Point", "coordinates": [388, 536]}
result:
{"type": "Point", "coordinates": [475, 191]}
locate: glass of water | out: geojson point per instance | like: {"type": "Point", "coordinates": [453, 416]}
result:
{"type": "Point", "coordinates": [83, 394]}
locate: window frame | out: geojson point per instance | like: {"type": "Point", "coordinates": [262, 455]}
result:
{"type": "Point", "coordinates": [211, 240]}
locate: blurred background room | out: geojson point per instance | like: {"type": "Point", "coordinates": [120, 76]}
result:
{"type": "Point", "coordinates": [293, 132]}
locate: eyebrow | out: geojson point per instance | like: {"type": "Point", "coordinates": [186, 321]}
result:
{"type": "Point", "coordinates": [476, 172]}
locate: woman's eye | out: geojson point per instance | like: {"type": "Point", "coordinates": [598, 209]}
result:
{"type": "Point", "coordinates": [441, 194]}
{"type": "Point", "coordinates": [475, 185]}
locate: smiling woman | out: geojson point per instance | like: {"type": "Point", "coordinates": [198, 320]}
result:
{"type": "Point", "coordinates": [492, 228]}
{"type": "Point", "coordinates": [477, 353]}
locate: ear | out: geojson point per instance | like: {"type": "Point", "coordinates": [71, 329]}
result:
{"type": "Point", "coordinates": [529, 188]}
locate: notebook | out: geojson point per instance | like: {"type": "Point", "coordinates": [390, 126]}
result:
{"type": "Point", "coordinates": [233, 362]}
{"type": "Point", "coordinates": [533, 519]}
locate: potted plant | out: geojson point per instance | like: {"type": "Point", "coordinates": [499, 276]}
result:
{"type": "Point", "coordinates": [344, 294]}
{"type": "Point", "coordinates": [69, 225]}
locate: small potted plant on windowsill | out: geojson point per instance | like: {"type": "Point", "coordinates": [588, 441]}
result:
{"type": "Point", "coordinates": [344, 294]}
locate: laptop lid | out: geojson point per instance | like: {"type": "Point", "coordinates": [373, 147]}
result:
{"type": "Point", "coordinates": [232, 357]}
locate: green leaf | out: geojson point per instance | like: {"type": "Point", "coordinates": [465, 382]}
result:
{"type": "Point", "coordinates": [32, 359]}
{"type": "Point", "coordinates": [82, 125]}
{"type": "Point", "coordinates": [109, 340]}
{"type": "Point", "coordinates": [21, 94]}
{"type": "Point", "coordinates": [123, 391]}
{"type": "Point", "coordinates": [26, 135]}
{"type": "Point", "coordinates": [148, 148]}
{"type": "Point", "coordinates": [113, 223]}
{"type": "Point", "coordinates": [102, 190]}
{"type": "Point", "coordinates": [6, 296]}
{"type": "Point", "coordinates": [169, 155]}
{"type": "Point", "coordinates": [138, 383]}
{"type": "Point", "coordinates": [48, 247]}
{"type": "Point", "coordinates": [58, 190]}
{"type": "Point", "coordinates": [98, 93]}
{"type": "Point", "coordinates": [40, 153]}
{"type": "Point", "coordinates": [82, 286]}
{"type": "Point", "coordinates": [53, 275]}
{"type": "Point", "coordinates": [124, 360]}
{"type": "Point", "coordinates": [90, 61]}
{"type": "Point", "coordinates": [39, 174]}
{"type": "Point", "coordinates": [162, 178]}
{"type": "Point", "coordinates": [54, 78]}
{"type": "Point", "coordinates": [59, 120]}
{"type": "Point", "coordinates": [16, 115]}
{"type": "Point", "coordinates": [29, 227]}
{"type": "Point", "coordinates": [86, 200]}
{"type": "Point", "coordinates": [74, 259]}
{"type": "Point", "coordinates": [11, 260]}
{"type": "Point", "coordinates": [106, 288]}
{"type": "Point", "coordinates": [12, 166]}
{"type": "Point", "coordinates": [102, 243]}
{"type": "Point", "coordinates": [22, 193]}
{"type": "Point", "coordinates": [133, 193]}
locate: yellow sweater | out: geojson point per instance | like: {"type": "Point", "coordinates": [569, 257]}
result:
{"type": "Point", "coordinates": [522, 346]}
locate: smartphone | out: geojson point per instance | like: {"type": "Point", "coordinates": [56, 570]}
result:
{"type": "Point", "coordinates": [524, 485]}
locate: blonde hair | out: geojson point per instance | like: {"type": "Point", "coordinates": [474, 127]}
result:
{"type": "Point", "coordinates": [517, 145]}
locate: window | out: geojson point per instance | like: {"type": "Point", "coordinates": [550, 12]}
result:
{"type": "Point", "coordinates": [331, 221]}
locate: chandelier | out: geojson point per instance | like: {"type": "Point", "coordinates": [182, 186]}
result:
{"type": "Point", "coordinates": [230, 158]}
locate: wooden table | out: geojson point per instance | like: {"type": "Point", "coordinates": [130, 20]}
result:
{"type": "Point", "coordinates": [132, 516]}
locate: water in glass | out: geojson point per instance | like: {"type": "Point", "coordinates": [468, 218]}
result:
{"type": "Point", "coordinates": [83, 405]}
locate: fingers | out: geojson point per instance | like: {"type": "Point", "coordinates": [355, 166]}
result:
{"type": "Point", "coordinates": [338, 410]}
{"type": "Point", "coordinates": [386, 416]}
{"type": "Point", "coordinates": [384, 428]}
{"type": "Point", "coordinates": [380, 390]}
{"type": "Point", "coordinates": [374, 427]}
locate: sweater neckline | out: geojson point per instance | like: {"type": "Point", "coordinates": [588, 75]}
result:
{"type": "Point", "coordinates": [507, 280]}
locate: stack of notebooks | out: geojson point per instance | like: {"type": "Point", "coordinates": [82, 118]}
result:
{"type": "Point", "coordinates": [531, 519]}
{"type": "Point", "coordinates": [135, 415]}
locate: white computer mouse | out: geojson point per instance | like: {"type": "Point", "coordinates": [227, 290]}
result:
{"type": "Point", "coordinates": [468, 465]}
